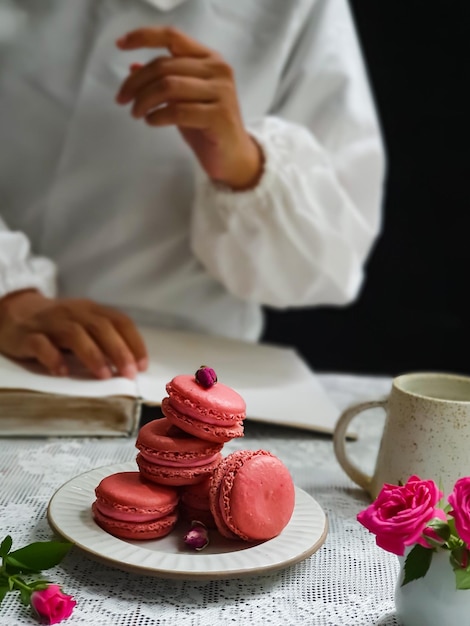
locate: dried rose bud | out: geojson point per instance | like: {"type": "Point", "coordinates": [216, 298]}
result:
{"type": "Point", "coordinates": [206, 376]}
{"type": "Point", "coordinates": [197, 537]}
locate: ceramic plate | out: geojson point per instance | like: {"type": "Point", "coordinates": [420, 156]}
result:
{"type": "Point", "coordinates": [69, 514]}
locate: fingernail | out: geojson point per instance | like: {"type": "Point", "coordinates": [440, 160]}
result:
{"type": "Point", "coordinates": [62, 371]}
{"type": "Point", "coordinates": [122, 99]}
{"type": "Point", "coordinates": [142, 364]}
{"type": "Point", "coordinates": [129, 371]}
{"type": "Point", "coordinates": [104, 373]}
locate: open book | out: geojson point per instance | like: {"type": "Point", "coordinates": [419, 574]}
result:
{"type": "Point", "coordinates": [277, 385]}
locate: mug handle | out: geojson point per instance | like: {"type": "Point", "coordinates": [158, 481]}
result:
{"type": "Point", "coordinates": [339, 440]}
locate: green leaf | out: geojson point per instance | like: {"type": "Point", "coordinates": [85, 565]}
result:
{"type": "Point", "coordinates": [5, 546]}
{"type": "Point", "coordinates": [459, 558]}
{"type": "Point", "coordinates": [416, 563]}
{"type": "Point", "coordinates": [3, 592]}
{"type": "Point", "coordinates": [38, 556]}
{"type": "Point", "coordinates": [13, 566]}
{"type": "Point", "coordinates": [462, 578]}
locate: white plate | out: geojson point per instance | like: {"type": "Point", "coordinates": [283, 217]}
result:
{"type": "Point", "coordinates": [69, 514]}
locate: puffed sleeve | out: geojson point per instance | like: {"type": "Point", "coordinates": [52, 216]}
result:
{"type": "Point", "coordinates": [303, 234]}
{"type": "Point", "coordinates": [19, 269]}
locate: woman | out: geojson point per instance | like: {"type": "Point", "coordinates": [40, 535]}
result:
{"type": "Point", "coordinates": [248, 172]}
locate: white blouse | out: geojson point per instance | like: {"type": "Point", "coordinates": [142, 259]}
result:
{"type": "Point", "coordinates": [96, 204]}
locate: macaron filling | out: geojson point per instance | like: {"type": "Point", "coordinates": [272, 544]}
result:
{"type": "Point", "coordinates": [138, 531]}
{"type": "Point", "coordinates": [130, 514]}
{"type": "Point", "coordinates": [203, 430]}
{"type": "Point", "coordinates": [175, 476]}
{"type": "Point", "coordinates": [184, 461]}
{"type": "Point", "coordinates": [203, 414]}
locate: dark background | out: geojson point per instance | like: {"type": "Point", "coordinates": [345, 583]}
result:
{"type": "Point", "coordinates": [413, 311]}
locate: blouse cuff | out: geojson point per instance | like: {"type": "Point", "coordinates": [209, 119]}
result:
{"type": "Point", "coordinates": [19, 270]}
{"type": "Point", "coordinates": [280, 142]}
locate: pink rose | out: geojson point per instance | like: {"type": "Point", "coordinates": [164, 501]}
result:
{"type": "Point", "coordinates": [400, 514]}
{"type": "Point", "coordinates": [52, 605]}
{"type": "Point", "coordinates": [459, 499]}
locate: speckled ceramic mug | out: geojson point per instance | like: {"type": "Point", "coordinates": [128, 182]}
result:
{"type": "Point", "coordinates": [426, 432]}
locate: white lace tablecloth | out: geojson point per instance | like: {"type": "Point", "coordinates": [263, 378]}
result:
{"type": "Point", "coordinates": [347, 582]}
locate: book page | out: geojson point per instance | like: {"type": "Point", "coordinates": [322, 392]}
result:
{"type": "Point", "coordinates": [32, 376]}
{"type": "Point", "coordinates": [277, 385]}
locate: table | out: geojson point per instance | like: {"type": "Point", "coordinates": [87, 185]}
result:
{"type": "Point", "coordinates": [347, 582]}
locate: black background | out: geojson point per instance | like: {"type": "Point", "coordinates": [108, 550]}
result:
{"type": "Point", "coordinates": [413, 310]}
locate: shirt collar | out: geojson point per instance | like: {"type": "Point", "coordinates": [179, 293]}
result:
{"type": "Point", "coordinates": [165, 5]}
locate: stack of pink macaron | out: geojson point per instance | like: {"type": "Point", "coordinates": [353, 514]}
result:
{"type": "Point", "coordinates": [184, 448]}
{"type": "Point", "coordinates": [246, 495]}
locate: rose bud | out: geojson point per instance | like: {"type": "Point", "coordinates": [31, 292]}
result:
{"type": "Point", "coordinates": [206, 376]}
{"type": "Point", "coordinates": [51, 605]}
{"type": "Point", "coordinates": [197, 537]}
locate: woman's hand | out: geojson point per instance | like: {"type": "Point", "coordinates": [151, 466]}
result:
{"type": "Point", "coordinates": [193, 89]}
{"type": "Point", "coordinates": [104, 340]}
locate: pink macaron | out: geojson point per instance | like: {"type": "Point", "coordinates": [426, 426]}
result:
{"type": "Point", "coordinates": [252, 495]}
{"type": "Point", "coordinates": [214, 413]}
{"type": "Point", "coordinates": [170, 456]}
{"type": "Point", "coordinates": [195, 505]}
{"type": "Point", "coordinates": [130, 507]}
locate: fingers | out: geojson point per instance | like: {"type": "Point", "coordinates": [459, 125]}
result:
{"type": "Point", "coordinates": [113, 346]}
{"type": "Point", "coordinates": [195, 90]}
{"type": "Point", "coordinates": [141, 76]}
{"type": "Point", "coordinates": [104, 341]}
{"type": "Point", "coordinates": [172, 89]}
{"type": "Point", "coordinates": [162, 89]}
{"type": "Point", "coordinates": [131, 336]}
{"type": "Point", "coordinates": [183, 114]}
{"type": "Point", "coordinates": [38, 346]}
{"type": "Point", "coordinates": [72, 336]}
{"type": "Point", "coordinates": [177, 42]}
